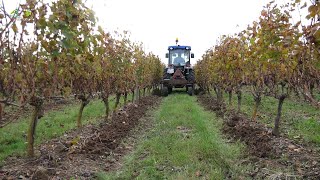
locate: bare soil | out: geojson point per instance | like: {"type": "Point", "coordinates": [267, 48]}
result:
{"type": "Point", "coordinates": [272, 157]}
{"type": "Point", "coordinates": [83, 152]}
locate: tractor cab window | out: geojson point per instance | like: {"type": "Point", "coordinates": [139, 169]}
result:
{"type": "Point", "coordinates": [179, 57]}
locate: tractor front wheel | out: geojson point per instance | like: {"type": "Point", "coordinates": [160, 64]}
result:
{"type": "Point", "coordinates": [164, 91]}
{"type": "Point", "coordinates": [190, 90]}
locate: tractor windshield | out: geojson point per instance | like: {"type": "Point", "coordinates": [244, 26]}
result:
{"type": "Point", "coordinates": [179, 57]}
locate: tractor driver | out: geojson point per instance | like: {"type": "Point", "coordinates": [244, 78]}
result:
{"type": "Point", "coordinates": [179, 59]}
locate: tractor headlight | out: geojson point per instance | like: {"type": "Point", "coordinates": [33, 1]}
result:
{"type": "Point", "coordinates": [170, 71]}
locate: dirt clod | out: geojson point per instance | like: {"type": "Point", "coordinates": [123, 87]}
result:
{"type": "Point", "coordinates": [40, 174]}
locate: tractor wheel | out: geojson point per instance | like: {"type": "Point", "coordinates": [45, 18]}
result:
{"type": "Point", "coordinates": [164, 91]}
{"type": "Point", "coordinates": [190, 90]}
{"type": "Point", "coordinates": [169, 90]}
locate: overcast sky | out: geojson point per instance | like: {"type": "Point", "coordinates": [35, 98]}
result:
{"type": "Point", "coordinates": [197, 23]}
{"type": "Point", "coordinates": [157, 24]}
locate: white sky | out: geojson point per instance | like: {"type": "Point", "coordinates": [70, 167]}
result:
{"type": "Point", "coordinates": [157, 24]}
{"type": "Point", "coordinates": [197, 23]}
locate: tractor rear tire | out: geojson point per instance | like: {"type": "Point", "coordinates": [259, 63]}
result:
{"type": "Point", "coordinates": [164, 91]}
{"type": "Point", "coordinates": [169, 90]}
{"type": "Point", "coordinates": [190, 90]}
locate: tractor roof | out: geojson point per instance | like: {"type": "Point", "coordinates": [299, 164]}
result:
{"type": "Point", "coordinates": [179, 47]}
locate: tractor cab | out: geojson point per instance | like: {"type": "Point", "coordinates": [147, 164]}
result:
{"type": "Point", "coordinates": [178, 73]}
{"type": "Point", "coordinates": [179, 55]}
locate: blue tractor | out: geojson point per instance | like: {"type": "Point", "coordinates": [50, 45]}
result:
{"type": "Point", "coordinates": [178, 73]}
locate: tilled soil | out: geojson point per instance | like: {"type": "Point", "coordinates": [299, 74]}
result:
{"type": "Point", "coordinates": [272, 157]}
{"type": "Point", "coordinates": [83, 152]}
